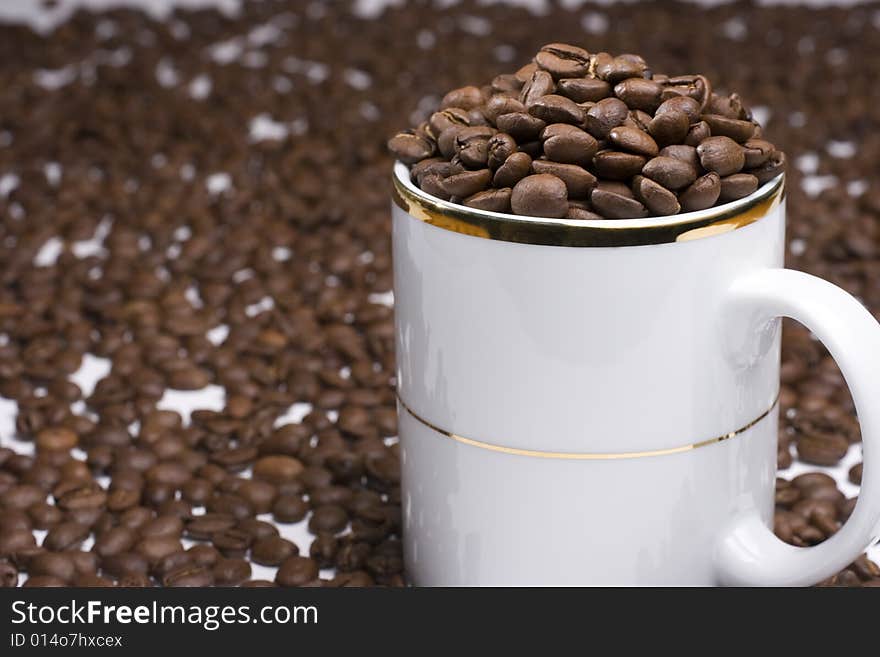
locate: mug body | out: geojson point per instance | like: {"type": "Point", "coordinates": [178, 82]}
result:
{"type": "Point", "coordinates": [572, 408]}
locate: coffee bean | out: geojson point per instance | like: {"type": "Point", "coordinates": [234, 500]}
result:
{"type": "Point", "coordinates": [774, 166]}
{"type": "Point", "coordinates": [683, 152]}
{"type": "Point", "coordinates": [22, 497]}
{"type": "Point", "coordinates": [66, 535]}
{"type": "Point", "coordinates": [272, 550]}
{"type": "Point", "coordinates": [567, 144]}
{"type": "Point", "coordinates": [737, 186]}
{"type": "Point", "coordinates": [578, 181]}
{"type": "Point", "coordinates": [557, 109]}
{"type": "Point", "coordinates": [56, 439]}
{"type": "Point", "coordinates": [515, 168]}
{"type": "Point", "coordinates": [701, 194]}
{"type": "Point", "coordinates": [616, 69]}
{"type": "Point", "coordinates": [540, 195]}
{"type": "Point", "coordinates": [154, 548]}
{"type": "Point", "coordinates": [8, 575]}
{"type": "Point", "coordinates": [739, 131]}
{"type": "Point", "coordinates": [43, 581]}
{"type": "Point", "coordinates": [493, 200]}
{"type": "Point", "coordinates": [231, 572]}
{"type": "Point", "coordinates": [328, 518]}
{"type": "Point", "coordinates": [633, 140]}
{"type": "Point", "coordinates": [580, 213]}
{"type": "Point", "coordinates": [498, 105]}
{"type": "Point", "coordinates": [53, 564]}
{"type": "Point", "coordinates": [616, 206]}
{"type": "Point", "coordinates": [189, 576]}
{"type": "Point", "coordinates": [124, 564]}
{"type": "Point", "coordinates": [522, 126]}
{"type": "Point", "coordinates": [617, 165]}
{"type": "Point", "coordinates": [563, 61]}
{"type": "Point", "coordinates": [466, 98]}
{"type": "Point", "coordinates": [205, 526]}
{"type": "Point", "coordinates": [670, 172]}
{"type": "Point", "coordinates": [115, 541]}
{"type": "Point", "coordinates": [296, 571]}
{"type": "Point", "coordinates": [855, 474]}
{"type": "Point", "coordinates": [289, 508]}
{"type": "Point", "coordinates": [669, 127]}
{"type": "Point", "coordinates": [467, 183]}
{"type": "Point", "coordinates": [639, 93]}
{"type": "Point", "coordinates": [605, 115]}
{"type": "Point", "coordinates": [583, 90]}
{"type": "Point", "coordinates": [757, 152]}
{"type": "Point", "coordinates": [821, 450]}
{"type": "Point", "coordinates": [277, 469]}
{"type": "Point", "coordinates": [539, 84]}
{"type": "Point", "coordinates": [680, 105]}
{"type": "Point", "coordinates": [659, 200]}
{"type": "Point", "coordinates": [44, 516]}
{"type": "Point", "coordinates": [697, 134]}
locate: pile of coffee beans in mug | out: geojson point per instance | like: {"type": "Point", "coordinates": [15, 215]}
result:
{"type": "Point", "coordinates": [587, 135]}
{"type": "Point", "coordinates": [196, 210]}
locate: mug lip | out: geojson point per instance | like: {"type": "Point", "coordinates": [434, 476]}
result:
{"type": "Point", "coordinates": [575, 232]}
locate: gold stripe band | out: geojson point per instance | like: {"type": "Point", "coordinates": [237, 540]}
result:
{"type": "Point", "coordinates": [582, 456]}
{"type": "Point", "coordinates": [570, 232]}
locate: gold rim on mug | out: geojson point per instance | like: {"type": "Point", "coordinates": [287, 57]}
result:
{"type": "Point", "coordinates": [586, 456]}
{"type": "Point", "coordinates": [571, 232]}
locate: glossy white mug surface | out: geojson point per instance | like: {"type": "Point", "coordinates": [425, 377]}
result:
{"type": "Point", "coordinates": [586, 403]}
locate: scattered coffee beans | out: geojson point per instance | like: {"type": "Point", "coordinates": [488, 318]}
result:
{"type": "Point", "coordinates": [130, 232]}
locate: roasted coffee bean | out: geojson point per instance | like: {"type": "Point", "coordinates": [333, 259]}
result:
{"type": "Point", "coordinates": [605, 115]}
{"type": "Point", "coordinates": [616, 206]}
{"type": "Point", "coordinates": [467, 183]}
{"type": "Point", "coordinates": [56, 439]}
{"type": "Point", "coordinates": [563, 61]}
{"type": "Point", "coordinates": [639, 93]}
{"type": "Point", "coordinates": [466, 98]}
{"type": "Point", "coordinates": [615, 69]}
{"type": "Point", "coordinates": [154, 548]}
{"type": "Point", "coordinates": [617, 165]}
{"type": "Point", "coordinates": [522, 126]}
{"type": "Point", "coordinates": [669, 127]}
{"type": "Point", "coordinates": [633, 141]}
{"type": "Point", "coordinates": [855, 474]}
{"type": "Point", "coordinates": [722, 126]}
{"type": "Point", "coordinates": [115, 541]}
{"type": "Point", "coordinates": [124, 564]}
{"type": "Point", "coordinates": [540, 195]}
{"type": "Point", "coordinates": [697, 134]}
{"type": "Point", "coordinates": [567, 144]}
{"type": "Point", "coordinates": [204, 555]}
{"type": "Point", "coordinates": [66, 535]}
{"type": "Point", "coordinates": [757, 152]}
{"type": "Point", "coordinates": [737, 186]}
{"type": "Point", "coordinates": [581, 213]}
{"type": "Point", "coordinates": [670, 172]}
{"type": "Point", "coordinates": [191, 575]}
{"type": "Point", "coordinates": [500, 147]}
{"type": "Point", "coordinates": [328, 518]}
{"type": "Point", "coordinates": [538, 85]}
{"type": "Point", "coordinates": [578, 181]}
{"type": "Point", "coordinates": [277, 469]}
{"type": "Point", "coordinates": [681, 104]}
{"type": "Point", "coordinates": [821, 450]}
{"type": "Point", "coordinates": [289, 508]}
{"type": "Point", "coordinates": [583, 90]}
{"type": "Point", "coordinates": [231, 572]}
{"type": "Point", "coordinates": [659, 200]}
{"type": "Point", "coordinates": [44, 516]}
{"type": "Point", "coordinates": [515, 168]}
{"type": "Point", "coordinates": [683, 152]}
{"type": "Point", "coordinates": [557, 109]}
{"type": "Point", "coordinates": [272, 550]}
{"type": "Point", "coordinates": [22, 497]}
{"type": "Point", "coordinates": [493, 200]}
{"type": "Point", "coordinates": [170, 562]}
{"type": "Point", "coordinates": [8, 574]}
{"type": "Point", "coordinates": [774, 166]}
{"type": "Point", "coordinates": [205, 526]}
{"type": "Point", "coordinates": [296, 571]}
{"type": "Point", "coordinates": [499, 105]}
{"type": "Point", "coordinates": [53, 564]}
{"type": "Point", "coordinates": [472, 145]}
{"type": "Point", "coordinates": [701, 194]}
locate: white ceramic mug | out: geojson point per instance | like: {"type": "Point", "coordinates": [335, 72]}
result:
{"type": "Point", "coordinates": [595, 402]}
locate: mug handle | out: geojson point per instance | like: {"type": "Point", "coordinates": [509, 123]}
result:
{"type": "Point", "coordinates": [749, 554]}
